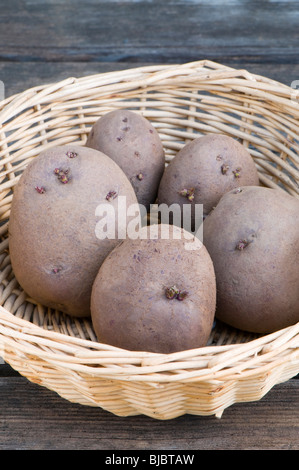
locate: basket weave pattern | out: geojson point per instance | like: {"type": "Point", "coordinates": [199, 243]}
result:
{"type": "Point", "coordinates": [182, 102]}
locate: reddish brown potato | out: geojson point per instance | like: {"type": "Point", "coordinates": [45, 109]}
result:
{"type": "Point", "coordinates": [54, 249]}
{"type": "Point", "coordinates": [155, 294]}
{"type": "Point", "coordinates": [134, 144]}
{"type": "Point", "coordinates": [204, 170]}
{"type": "Point", "coordinates": [253, 239]}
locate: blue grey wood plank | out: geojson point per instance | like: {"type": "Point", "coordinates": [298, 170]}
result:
{"type": "Point", "coordinates": [165, 31]}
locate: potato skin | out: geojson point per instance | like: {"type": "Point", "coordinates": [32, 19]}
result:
{"type": "Point", "coordinates": [253, 239]}
{"type": "Point", "coordinates": [54, 250]}
{"type": "Point", "coordinates": [212, 165]}
{"type": "Point", "coordinates": [129, 308]}
{"type": "Point", "coordinates": [134, 144]}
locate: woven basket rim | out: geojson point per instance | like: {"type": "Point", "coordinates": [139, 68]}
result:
{"type": "Point", "coordinates": [161, 71]}
{"type": "Point", "coordinates": [280, 346]}
{"type": "Point", "coordinates": [73, 350]}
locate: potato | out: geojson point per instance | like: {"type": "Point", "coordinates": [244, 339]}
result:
{"type": "Point", "coordinates": [134, 144]}
{"type": "Point", "coordinates": [155, 293]}
{"type": "Point", "coordinates": [205, 169]}
{"type": "Point", "coordinates": [252, 237]}
{"type": "Point", "coordinates": [54, 247]}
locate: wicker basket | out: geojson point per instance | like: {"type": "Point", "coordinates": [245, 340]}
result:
{"type": "Point", "coordinates": [182, 102]}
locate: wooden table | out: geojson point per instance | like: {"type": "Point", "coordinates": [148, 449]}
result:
{"type": "Point", "coordinates": [46, 41]}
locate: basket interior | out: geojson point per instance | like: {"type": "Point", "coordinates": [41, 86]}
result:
{"type": "Point", "coordinates": [182, 103]}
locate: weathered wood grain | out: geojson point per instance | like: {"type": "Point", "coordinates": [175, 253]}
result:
{"type": "Point", "coordinates": [151, 31]}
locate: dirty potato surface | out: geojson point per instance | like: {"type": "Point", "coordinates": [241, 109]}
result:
{"type": "Point", "coordinates": [205, 169]}
{"type": "Point", "coordinates": [155, 294]}
{"type": "Point", "coordinates": [54, 248]}
{"type": "Point", "coordinates": [134, 144]}
{"type": "Point", "coordinates": [253, 239]}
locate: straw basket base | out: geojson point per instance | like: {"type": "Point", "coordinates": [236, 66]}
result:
{"type": "Point", "coordinates": [182, 102]}
{"type": "Point", "coordinates": [153, 390]}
